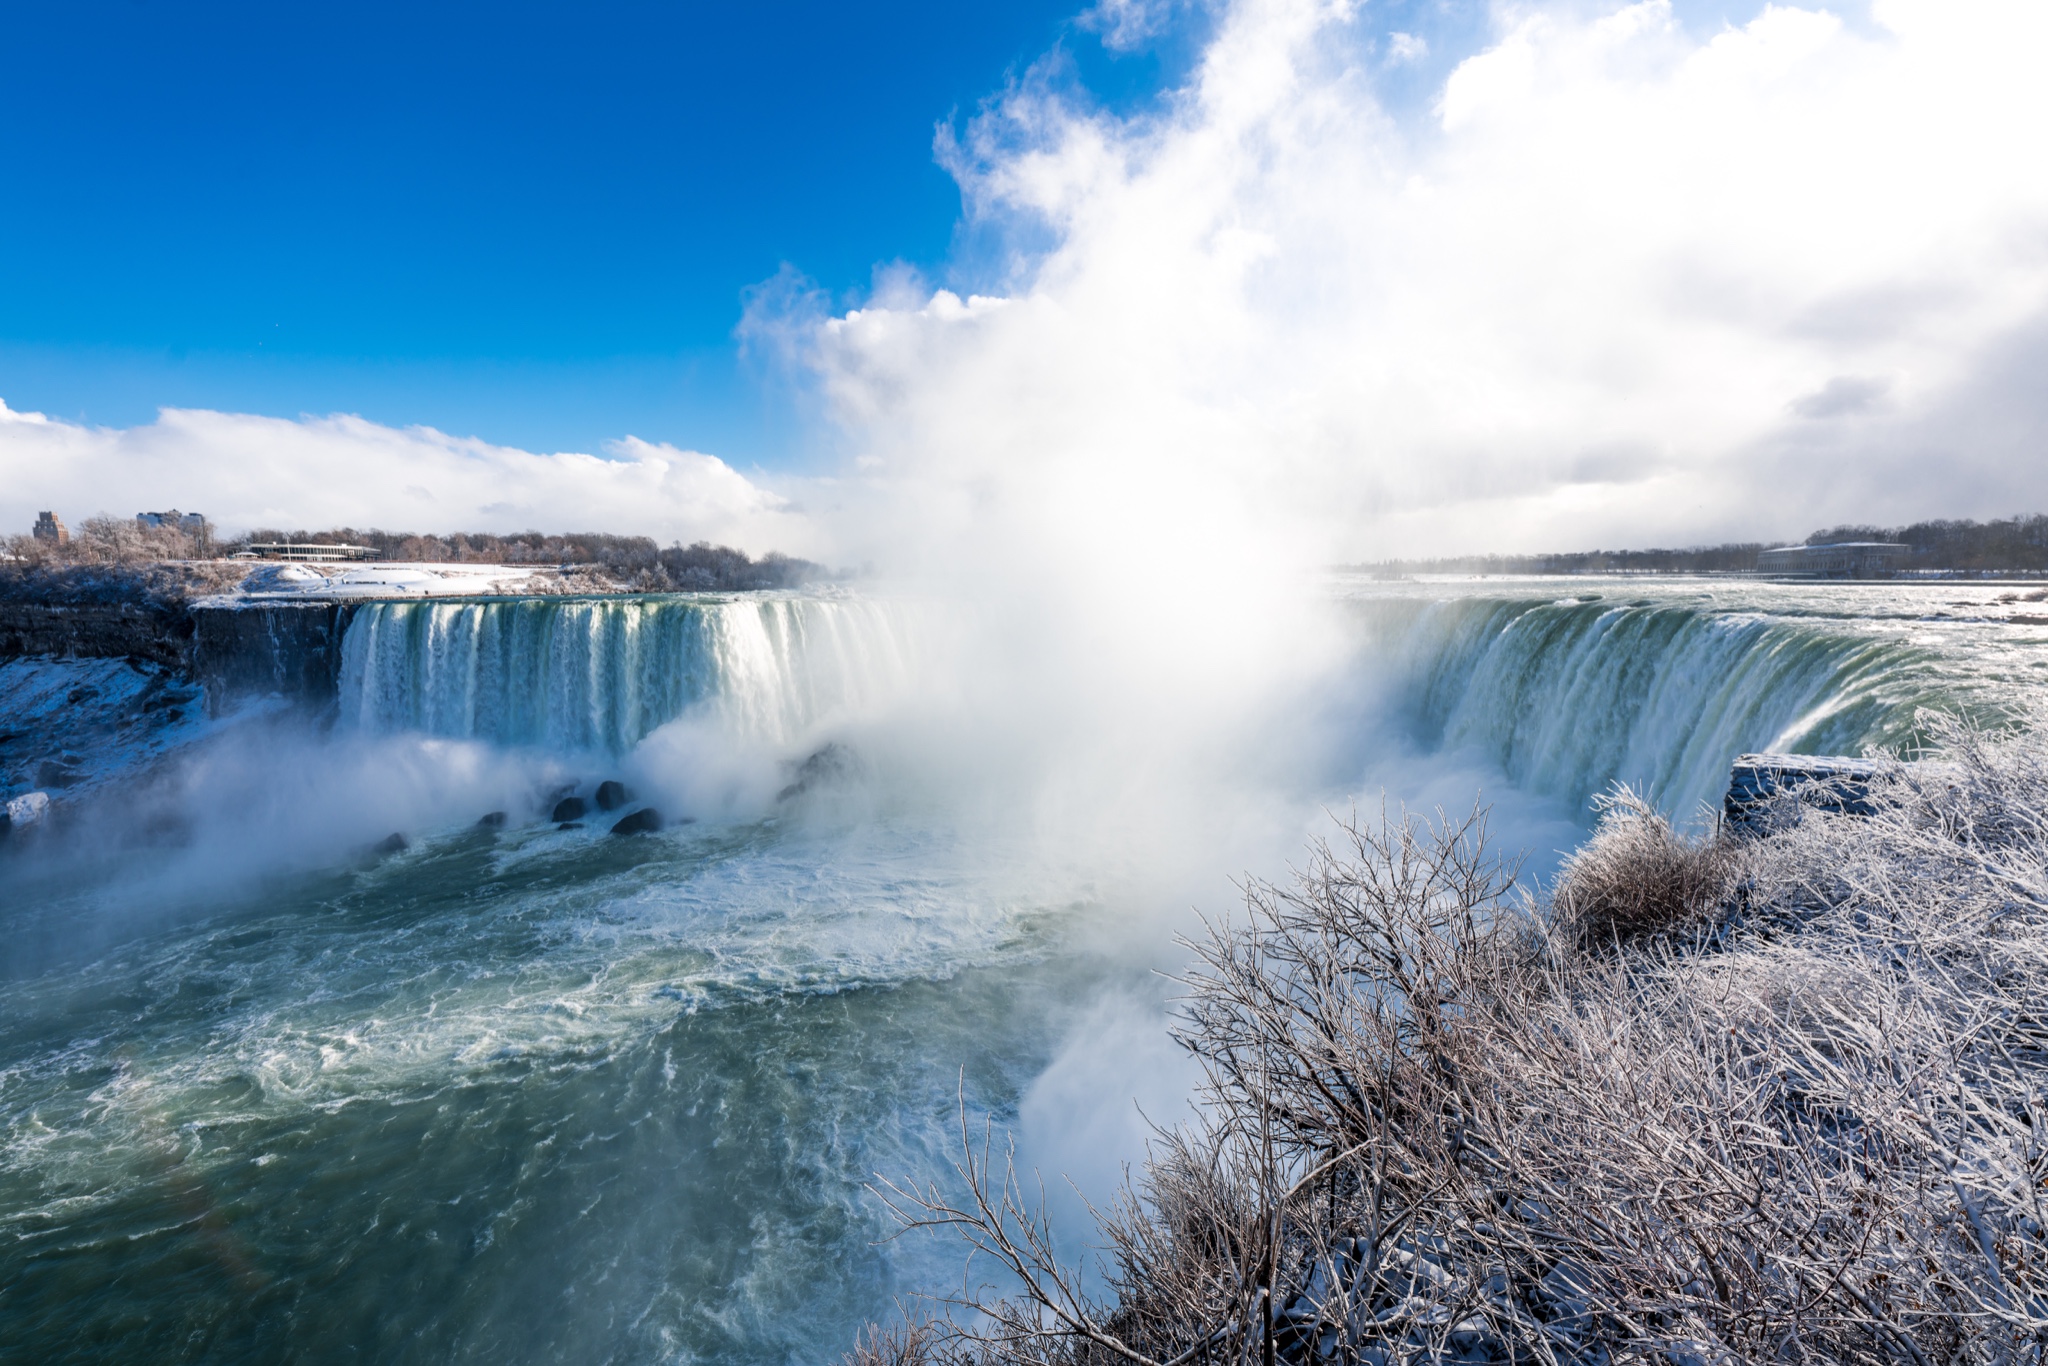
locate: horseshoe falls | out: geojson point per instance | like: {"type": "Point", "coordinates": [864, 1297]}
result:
{"type": "Point", "coordinates": [273, 1087]}
{"type": "Point", "coordinates": [604, 673]}
{"type": "Point", "coordinates": [1569, 694]}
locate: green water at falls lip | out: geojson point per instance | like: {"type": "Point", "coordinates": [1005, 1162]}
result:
{"type": "Point", "coordinates": [1571, 686]}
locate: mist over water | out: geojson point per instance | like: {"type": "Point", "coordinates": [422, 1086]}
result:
{"type": "Point", "coordinates": [540, 1094]}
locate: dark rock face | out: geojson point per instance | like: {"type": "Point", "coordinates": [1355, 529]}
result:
{"type": "Point", "coordinates": [645, 821]}
{"type": "Point", "coordinates": [164, 694]}
{"type": "Point", "coordinates": [491, 820]}
{"type": "Point", "coordinates": [293, 648]}
{"type": "Point", "coordinates": [51, 773]}
{"type": "Point", "coordinates": [569, 809]}
{"type": "Point", "coordinates": [158, 632]}
{"type": "Point", "coordinates": [393, 843]}
{"type": "Point", "coordinates": [612, 795]}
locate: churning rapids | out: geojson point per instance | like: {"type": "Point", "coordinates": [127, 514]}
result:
{"type": "Point", "coordinates": [529, 1094]}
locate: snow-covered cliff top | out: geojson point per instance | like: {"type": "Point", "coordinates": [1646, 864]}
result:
{"type": "Point", "coordinates": [379, 579]}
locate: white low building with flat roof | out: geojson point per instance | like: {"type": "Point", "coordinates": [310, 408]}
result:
{"type": "Point", "coordinates": [292, 550]}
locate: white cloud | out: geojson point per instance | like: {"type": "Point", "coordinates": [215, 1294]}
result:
{"type": "Point", "coordinates": [1405, 47]}
{"type": "Point", "coordinates": [1627, 285]}
{"type": "Point", "coordinates": [1127, 24]}
{"type": "Point", "coordinates": [245, 471]}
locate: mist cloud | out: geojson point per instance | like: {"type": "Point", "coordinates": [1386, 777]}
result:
{"type": "Point", "coordinates": [1621, 283]}
{"type": "Point", "coordinates": [247, 471]}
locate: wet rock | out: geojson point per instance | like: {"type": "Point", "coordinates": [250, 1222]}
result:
{"type": "Point", "coordinates": [645, 821]}
{"type": "Point", "coordinates": [570, 825]}
{"type": "Point", "coordinates": [491, 820]}
{"type": "Point", "coordinates": [832, 762]}
{"type": "Point", "coordinates": [393, 843]}
{"type": "Point", "coordinates": [1830, 783]}
{"type": "Point", "coordinates": [51, 773]}
{"type": "Point", "coordinates": [569, 809]}
{"type": "Point", "coordinates": [612, 795]}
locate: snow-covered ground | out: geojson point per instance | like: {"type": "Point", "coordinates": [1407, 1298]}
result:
{"type": "Point", "coordinates": [382, 579]}
{"type": "Point", "coordinates": [67, 725]}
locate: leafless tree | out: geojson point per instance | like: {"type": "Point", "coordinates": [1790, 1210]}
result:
{"type": "Point", "coordinates": [1795, 1114]}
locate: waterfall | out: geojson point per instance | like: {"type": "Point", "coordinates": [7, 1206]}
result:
{"type": "Point", "coordinates": [1565, 697]}
{"type": "Point", "coordinates": [1570, 696]}
{"type": "Point", "coordinates": [583, 673]}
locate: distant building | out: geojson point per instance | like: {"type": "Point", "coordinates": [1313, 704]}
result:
{"type": "Point", "coordinates": [48, 528]}
{"type": "Point", "coordinates": [191, 523]}
{"type": "Point", "coordinates": [1842, 560]}
{"type": "Point", "coordinates": [290, 550]}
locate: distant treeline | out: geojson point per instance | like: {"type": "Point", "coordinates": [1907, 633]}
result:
{"type": "Point", "coordinates": [2011, 545]}
{"type": "Point", "coordinates": [634, 562]}
{"type": "Point", "coordinates": [2016, 543]}
{"type": "Point", "coordinates": [1713, 559]}
{"type": "Point", "coordinates": [631, 562]}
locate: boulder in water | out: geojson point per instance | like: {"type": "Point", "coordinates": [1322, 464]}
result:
{"type": "Point", "coordinates": [833, 763]}
{"type": "Point", "coordinates": [491, 820]}
{"type": "Point", "coordinates": [645, 821]}
{"type": "Point", "coordinates": [570, 825]}
{"type": "Point", "coordinates": [611, 795]}
{"type": "Point", "coordinates": [569, 809]}
{"type": "Point", "coordinates": [393, 843]}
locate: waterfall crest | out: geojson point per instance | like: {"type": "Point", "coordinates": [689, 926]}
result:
{"type": "Point", "coordinates": [1570, 696]}
{"type": "Point", "coordinates": [602, 673]}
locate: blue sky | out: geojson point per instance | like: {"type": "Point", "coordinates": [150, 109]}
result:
{"type": "Point", "coordinates": [530, 222]}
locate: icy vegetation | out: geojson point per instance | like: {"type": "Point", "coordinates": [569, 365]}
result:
{"type": "Point", "coordinates": [1706, 1102]}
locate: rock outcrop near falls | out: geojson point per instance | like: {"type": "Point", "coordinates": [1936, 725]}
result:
{"type": "Point", "coordinates": [166, 616]}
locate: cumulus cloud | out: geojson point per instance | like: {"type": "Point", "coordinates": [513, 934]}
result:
{"type": "Point", "coordinates": [1406, 47]}
{"type": "Point", "coordinates": [1620, 283]}
{"type": "Point", "coordinates": [1127, 24]}
{"type": "Point", "coordinates": [246, 471]}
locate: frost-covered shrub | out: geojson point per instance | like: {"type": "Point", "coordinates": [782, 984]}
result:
{"type": "Point", "coordinates": [1636, 876]}
{"type": "Point", "coordinates": [1437, 1128]}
